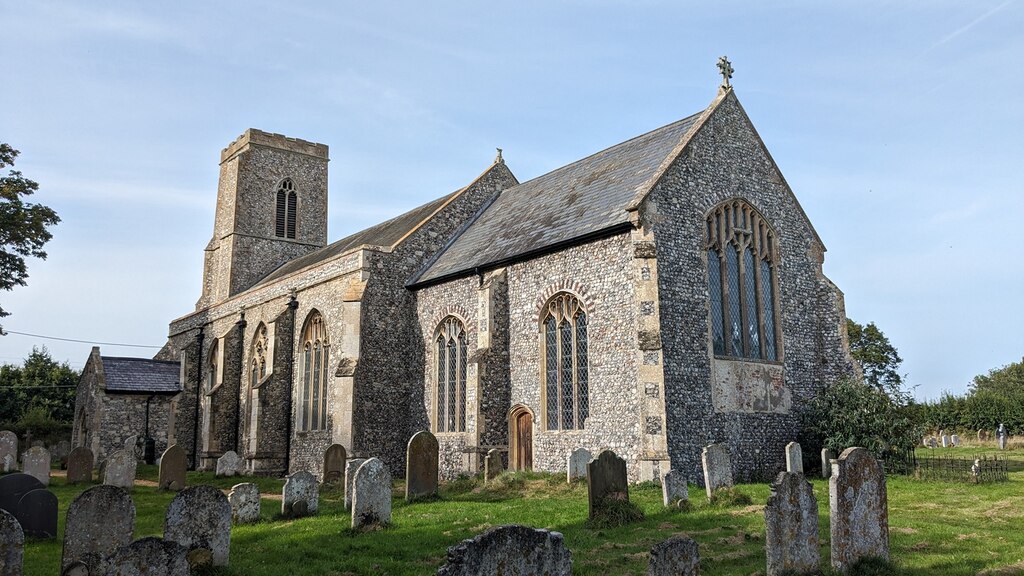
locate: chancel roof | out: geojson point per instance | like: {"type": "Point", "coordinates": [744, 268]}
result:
{"type": "Point", "coordinates": [140, 375]}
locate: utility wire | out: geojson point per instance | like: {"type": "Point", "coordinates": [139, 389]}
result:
{"type": "Point", "coordinates": [5, 332]}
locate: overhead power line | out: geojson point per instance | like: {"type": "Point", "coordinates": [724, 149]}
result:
{"type": "Point", "coordinates": [5, 332]}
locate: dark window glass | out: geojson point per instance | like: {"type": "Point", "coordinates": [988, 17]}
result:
{"type": "Point", "coordinates": [462, 383]}
{"type": "Point", "coordinates": [442, 395]}
{"type": "Point", "coordinates": [767, 298]}
{"type": "Point", "coordinates": [750, 301]}
{"type": "Point", "coordinates": [565, 336]}
{"type": "Point", "coordinates": [280, 215]}
{"type": "Point", "coordinates": [551, 363]}
{"type": "Point", "coordinates": [715, 288]}
{"type": "Point", "coordinates": [582, 382]}
{"type": "Point", "coordinates": [292, 201]}
{"type": "Point", "coordinates": [732, 268]}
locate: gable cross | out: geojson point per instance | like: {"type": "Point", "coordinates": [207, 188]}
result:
{"type": "Point", "coordinates": [725, 69]}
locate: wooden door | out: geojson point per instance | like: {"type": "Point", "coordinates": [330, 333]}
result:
{"type": "Point", "coordinates": [523, 441]}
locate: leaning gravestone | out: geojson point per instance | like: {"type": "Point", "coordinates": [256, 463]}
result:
{"type": "Point", "coordinates": [12, 545]}
{"type": "Point", "coordinates": [351, 466]}
{"type": "Point", "coordinates": [859, 509]}
{"type": "Point", "coordinates": [150, 556]}
{"type": "Point", "coordinates": [492, 465]}
{"type": "Point", "coordinates": [80, 465]}
{"type": "Point", "coordinates": [300, 495]}
{"type": "Point", "coordinates": [36, 462]}
{"type": "Point", "coordinates": [13, 487]}
{"type": "Point", "coordinates": [794, 458]}
{"type": "Point", "coordinates": [99, 522]}
{"type": "Point", "coordinates": [8, 445]}
{"type": "Point", "coordinates": [245, 503]}
{"type": "Point", "coordinates": [511, 550]}
{"type": "Point", "coordinates": [791, 526]}
{"type": "Point", "coordinates": [576, 466]}
{"type": "Point", "coordinates": [334, 463]}
{"type": "Point", "coordinates": [421, 466]}
{"type": "Point", "coordinates": [677, 556]}
{"type": "Point", "coordinates": [827, 456]}
{"type": "Point", "coordinates": [37, 513]}
{"type": "Point", "coordinates": [717, 468]}
{"type": "Point", "coordinates": [606, 480]}
{"type": "Point", "coordinates": [173, 464]}
{"type": "Point", "coordinates": [229, 464]}
{"type": "Point", "coordinates": [673, 488]}
{"type": "Point", "coordinates": [119, 469]}
{"type": "Point", "coordinates": [371, 499]}
{"type": "Point", "coordinates": [199, 518]}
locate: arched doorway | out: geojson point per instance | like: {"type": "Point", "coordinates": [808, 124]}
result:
{"type": "Point", "coordinates": [520, 439]}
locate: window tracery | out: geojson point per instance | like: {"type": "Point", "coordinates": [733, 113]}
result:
{"type": "Point", "coordinates": [315, 348]}
{"type": "Point", "coordinates": [450, 398]}
{"type": "Point", "coordinates": [566, 379]}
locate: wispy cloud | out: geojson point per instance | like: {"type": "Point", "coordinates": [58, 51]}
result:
{"type": "Point", "coordinates": [964, 29]}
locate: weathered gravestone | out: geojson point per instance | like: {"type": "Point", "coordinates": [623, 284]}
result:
{"type": "Point", "coordinates": [9, 463]}
{"type": "Point", "coordinates": [421, 466]}
{"type": "Point", "coordinates": [59, 453]}
{"type": "Point", "coordinates": [245, 503]}
{"type": "Point", "coordinates": [859, 509]}
{"type": "Point", "coordinates": [36, 462]}
{"type": "Point", "coordinates": [119, 469]}
{"type": "Point", "coordinates": [300, 495]}
{"type": "Point", "coordinates": [80, 462]}
{"type": "Point", "coordinates": [954, 440]}
{"type": "Point", "coordinates": [13, 487]}
{"type": "Point", "coordinates": [334, 463]}
{"type": "Point", "coordinates": [99, 522]}
{"type": "Point", "coordinates": [511, 550]}
{"type": "Point", "coordinates": [606, 480]}
{"type": "Point", "coordinates": [229, 464]}
{"type": "Point", "coordinates": [12, 545]}
{"type": "Point", "coordinates": [351, 466]}
{"type": "Point", "coordinates": [945, 441]}
{"type": "Point", "coordinates": [150, 556]}
{"type": "Point", "coordinates": [982, 435]}
{"type": "Point", "coordinates": [673, 488]}
{"type": "Point", "coordinates": [933, 442]}
{"type": "Point", "coordinates": [199, 518]}
{"type": "Point", "coordinates": [37, 513]}
{"type": "Point", "coordinates": [827, 456]}
{"type": "Point", "coordinates": [576, 466]}
{"type": "Point", "coordinates": [492, 465]}
{"type": "Point", "coordinates": [1001, 436]}
{"type": "Point", "coordinates": [794, 458]}
{"type": "Point", "coordinates": [717, 468]}
{"type": "Point", "coordinates": [677, 556]}
{"type": "Point", "coordinates": [130, 443]}
{"type": "Point", "coordinates": [173, 464]}
{"type": "Point", "coordinates": [9, 446]}
{"type": "Point", "coordinates": [371, 498]}
{"type": "Point", "coordinates": [791, 526]}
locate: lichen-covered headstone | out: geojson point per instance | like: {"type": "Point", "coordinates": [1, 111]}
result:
{"type": "Point", "coordinates": [80, 462]}
{"type": "Point", "coordinates": [173, 464]}
{"type": "Point", "coordinates": [119, 469]}
{"type": "Point", "coordinates": [12, 545]}
{"type": "Point", "coordinates": [300, 495]}
{"type": "Point", "coordinates": [677, 556]}
{"type": "Point", "coordinates": [199, 518]}
{"type": "Point", "coordinates": [150, 556]}
{"type": "Point", "coordinates": [717, 468]}
{"type": "Point", "coordinates": [576, 465]}
{"type": "Point", "coordinates": [13, 487]}
{"type": "Point", "coordinates": [859, 509]}
{"type": "Point", "coordinates": [827, 456]}
{"type": "Point", "coordinates": [99, 522]}
{"type": "Point", "coordinates": [245, 503]}
{"type": "Point", "coordinates": [791, 526]}
{"type": "Point", "coordinates": [334, 463]}
{"type": "Point", "coordinates": [421, 466]}
{"type": "Point", "coordinates": [229, 464]}
{"type": "Point", "coordinates": [9, 445]}
{"type": "Point", "coordinates": [371, 498]}
{"type": "Point", "coordinates": [606, 480]}
{"type": "Point", "coordinates": [794, 458]}
{"type": "Point", "coordinates": [673, 488]}
{"type": "Point", "coordinates": [510, 550]}
{"type": "Point", "coordinates": [36, 462]}
{"type": "Point", "coordinates": [37, 513]}
{"type": "Point", "coordinates": [492, 465]}
{"type": "Point", "coordinates": [351, 466]}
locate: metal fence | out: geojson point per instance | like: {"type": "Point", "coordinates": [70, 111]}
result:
{"type": "Point", "coordinates": [979, 470]}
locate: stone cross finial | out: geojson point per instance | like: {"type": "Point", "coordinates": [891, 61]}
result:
{"type": "Point", "coordinates": [725, 69]}
{"type": "Point", "coordinates": [498, 159]}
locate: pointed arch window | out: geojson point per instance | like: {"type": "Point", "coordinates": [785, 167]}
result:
{"type": "Point", "coordinates": [314, 350]}
{"type": "Point", "coordinates": [742, 258]}
{"type": "Point", "coordinates": [566, 379]}
{"type": "Point", "coordinates": [287, 203]}
{"type": "Point", "coordinates": [450, 398]}
{"type": "Point", "coordinates": [257, 373]}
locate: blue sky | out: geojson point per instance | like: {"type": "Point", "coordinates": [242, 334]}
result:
{"type": "Point", "coordinates": [896, 123]}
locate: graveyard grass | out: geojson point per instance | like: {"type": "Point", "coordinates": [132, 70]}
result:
{"type": "Point", "coordinates": [935, 528]}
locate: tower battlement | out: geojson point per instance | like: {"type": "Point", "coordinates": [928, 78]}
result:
{"type": "Point", "coordinates": [257, 137]}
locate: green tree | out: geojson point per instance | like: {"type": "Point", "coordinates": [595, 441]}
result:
{"type": "Point", "coordinates": [22, 224]}
{"type": "Point", "coordinates": [1008, 380]}
{"type": "Point", "coordinates": [878, 358]}
{"type": "Point", "coordinates": [39, 385]}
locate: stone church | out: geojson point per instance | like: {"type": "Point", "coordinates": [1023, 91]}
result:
{"type": "Point", "coordinates": [655, 297]}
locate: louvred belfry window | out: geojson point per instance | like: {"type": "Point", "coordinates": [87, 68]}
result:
{"type": "Point", "coordinates": [566, 384]}
{"type": "Point", "coordinates": [314, 350]}
{"type": "Point", "coordinates": [741, 251]}
{"type": "Point", "coordinates": [450, 397]}
{"type": "Point", "coordinates": [285, 212]}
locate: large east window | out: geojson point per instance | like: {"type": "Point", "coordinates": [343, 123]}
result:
{"type": "Point", "coordinates": [564, 367]}
{"type": "Point", "coordinates": [450, 406]}
{"type": "Point", "coordinates": [315, 347]}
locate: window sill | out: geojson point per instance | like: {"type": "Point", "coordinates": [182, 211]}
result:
{"type": "Point", "coordinates": [749, 360]}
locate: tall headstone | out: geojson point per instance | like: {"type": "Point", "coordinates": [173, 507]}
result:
{"type": "Point", "coordinates": [717, 467]}
{"type": "Point", "coordinates": [173, 464]}
{"type": "Point", "coordinates": [300, 495]}
{"type": "Point", "coordinates": [13, 487]}
{"type": "Point", "coordinates": [119, 469]}
{"type": "Point", "coordinates": [606, 480]}
{"type": "Point", "coordinates": [1001, 436]}
{"type": "Point", "coordinates": [492, 465]}
{"type": "Point", "coordinates": [199, 518]}
{"type": "Point", "coordinates": [791, 526]}
{"type": "Point", "coordinates": [334, 463]}
{"type": "Point", "coordinates": [36, 462]}
{"type": "Point", "coordinates": [229, 464]}
{"type": "Point", "coordinates": [576, 465]}
{"type": "Point", "coordinates": [37, 513]}
{"type": "Point", "coordinates": [150, 556]}
{"type": "Point", "coordinates": [511, 550]}
{"type": "Point", "coordinates": [99, 522]}
{"type": "Point", "coordinates": [827, 456]}
{"type": "Point", "coordinates": [859, 509]}
{"type": "Point", "coordinates": [371, 499]}
{"type": "Point", "coordinates": [8, 445]}
{"type": "Point", "coordinates": [673, 488]}
{"type": "Point", "coordinates": [245, 503]}
{"type": "Point", "coordinates": [351, 466]}
{"type": "Point", "coordinates": [794, 458]}
{"type": "Point", "coordinates": [945, 441]}
{"type": "Point", "coordinates": [677, 556]}
{"type": "Point", "coordinates": [12, 545]}
{"type": "Point", "coordinates": [421, 466]}
{"type": "Point", "coordinates": [80, 462]}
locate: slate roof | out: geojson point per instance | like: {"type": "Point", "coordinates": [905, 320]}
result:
{"type": "Point", "coordinates": [140, 375]}
{"type": "Point", "coordinates": [581, 200]}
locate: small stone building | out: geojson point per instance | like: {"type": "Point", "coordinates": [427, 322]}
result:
{"type": "Point", "coordinates": [122, 397]}
{"type": "Point", "coordinates": [660, 295]}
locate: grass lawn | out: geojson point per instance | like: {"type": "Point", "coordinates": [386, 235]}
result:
{"type": "Point", "coordinates": [935, 528]}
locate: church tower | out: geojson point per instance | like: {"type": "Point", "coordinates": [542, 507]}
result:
{"type": "Point", "coordinates": [271, 208]}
